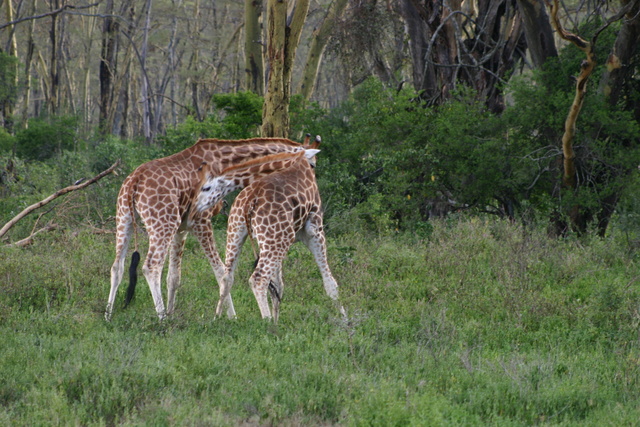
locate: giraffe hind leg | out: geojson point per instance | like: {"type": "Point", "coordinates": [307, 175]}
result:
{"type": "Point", "coordinates": [123, 235]}
{"type": "Point", "coordinates": [313, 237]}
{"type": "Point", "coordinates": [159, 241]}
{"type": "Point", "coordinates": [276, 287]}
{"type": "Point", "coordinates": [260, 280]}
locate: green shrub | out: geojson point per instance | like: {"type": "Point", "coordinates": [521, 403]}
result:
{"type": "Point", "coordinates": [130, 153]}
{"type": "Point", "coordinates": [45, 138]}
{"type": "Point", "coordinates": [7, 142]}
{"type": "Point", "coordinates": [240, 114]}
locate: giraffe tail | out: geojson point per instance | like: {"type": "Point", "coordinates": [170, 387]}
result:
{"type": "Point", "coordinates": [133, 278]}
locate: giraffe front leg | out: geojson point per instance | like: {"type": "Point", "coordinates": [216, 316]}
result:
{"type": "Point", "coordinates": [152, 268]}
{"type": "Point", "coordinates": [204, 233]}
{"type": "Point", "coordinates": [236, 236]}
{"type": "Point", "coordinates": [175, 263]}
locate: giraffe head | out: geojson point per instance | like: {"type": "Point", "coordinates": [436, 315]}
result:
{"type": "Point", "coordinates": [215, 188]}
{"type": "Point", "coordinates": [308, 145]}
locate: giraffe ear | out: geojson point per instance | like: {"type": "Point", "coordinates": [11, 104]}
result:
{"type": "Point", "coordinates": [310, 153]}
{"type": "Point", "coordinates": [202, 171]}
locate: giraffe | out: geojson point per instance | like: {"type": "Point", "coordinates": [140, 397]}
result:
{"type": "Point", "coordinates": [162, 191]}
{"type": "Point", "coordinates": [276, 210]}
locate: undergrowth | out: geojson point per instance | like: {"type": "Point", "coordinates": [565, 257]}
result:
{"type": "Point", "coordinates": [476, 322]}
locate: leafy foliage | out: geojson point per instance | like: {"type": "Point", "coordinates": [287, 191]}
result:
{"type": "Point", "coordinates": [8, 70]}
{"type": "Point", "coordinates": [7, 141]}
{"type": "Point", "coordinates": [44, 138]}
{"type": "Point", "coordinates": [238, 116]}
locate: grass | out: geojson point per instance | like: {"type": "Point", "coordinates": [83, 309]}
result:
{"type": "Point", "coordinates": [482, 323]}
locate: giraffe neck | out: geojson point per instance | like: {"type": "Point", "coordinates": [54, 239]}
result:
{"type": "Point", "coordinates": [222, 154]}
{"type": "Point", "coordinates": [215, 188]}
{"type": "Point", "coordinates": [244, 173]}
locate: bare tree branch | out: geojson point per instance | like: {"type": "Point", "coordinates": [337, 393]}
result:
{"type": "Point", "coordinates": [50, 13]}
{"type": "Point", "coordinates": [54, 196]}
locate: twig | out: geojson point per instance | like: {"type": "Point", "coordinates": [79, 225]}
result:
{"type": "Point", "coordinates": [54, 196]}
{"type": "Point", "coordinates": [28, 240]}
{"type": "Point", "coordinates": [51, 13]}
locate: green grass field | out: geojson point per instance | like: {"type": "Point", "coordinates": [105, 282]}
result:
{"type": "Point", "coordinates": [482, 323]}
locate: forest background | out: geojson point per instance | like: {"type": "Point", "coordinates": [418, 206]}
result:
{"type": "Point", "coordinates": [493, 163]}
{"type": "Point", "coordinates": [425, 107]}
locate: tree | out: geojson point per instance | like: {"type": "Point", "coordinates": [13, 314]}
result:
{"type": "Point", "coordinates": [108, 67]}
{"type": "Point", "coordinates": [455, 43]}
{"type": "Point", "coordinates": [598, 150]}
{"type": "Point", "coordinates": [319, 40]}
{"type": "Point", "coordinates": [283, 36]}
{"type": "Point", "coordinates": [10, 75]}
{"type": "Point", "coordinates": [254, 64]}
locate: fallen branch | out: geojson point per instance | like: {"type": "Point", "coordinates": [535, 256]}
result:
{"type": "Point", "coordinates": [54, 196]}
{"type": "Point", "coordinates": [29, 240]}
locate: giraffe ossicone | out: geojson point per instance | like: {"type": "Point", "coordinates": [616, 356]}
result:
{"type": "Point", "coordinates": [276, 209]}
{"type": "Point", "coordinates": [163, 193]}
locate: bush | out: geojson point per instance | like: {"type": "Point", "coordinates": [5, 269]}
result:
{"type": "Point", "coordinates": [45, 138]}
{"type": "Point", "coordinates": [240, 115]}
{"type": "Point", "coordinates": [130, 153]}
{"type": "Point", "coordinates": [7, 142]}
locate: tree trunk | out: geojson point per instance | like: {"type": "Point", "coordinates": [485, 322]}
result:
{"type": "Point", "coordinates": [319, 40]}
{"type": "Point", "coordinates": [295, 23]}
{"type": "Point", "coordinates": [8, 104]}
{"type": "Point", "coordinates": [54, 69]}
{"type": "Point", "coordinates": [579, 217]}
{"type": "Point", "coordinates": [27, 69]}
{"type": "Point", "coordinates": [254, 62]}
{"type": "Point", "coordinates": [418, 37]}
{"type": "Point", "coordinates": [108, 68]}
{"type": "Point", "coordinates": [537, 31]}
{"type": "Point", "coordinates": [275, 117]}
{"type": "Point", "coordinates": [618, 71]}
{"type": "Point", "coordinates": [86, 101]}
{"type": "Point", "coordinates": [283, 36]}
{"type": "Point", "coordinates": [144, 80]}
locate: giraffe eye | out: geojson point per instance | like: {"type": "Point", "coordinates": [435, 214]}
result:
{"type": "Point", "coordinates": [206, 189]}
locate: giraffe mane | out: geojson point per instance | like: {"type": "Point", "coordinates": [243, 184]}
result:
{"type": "Point", "coordinates": [237, 142]}
{"type": "Point", "coordinates": [262, 160]}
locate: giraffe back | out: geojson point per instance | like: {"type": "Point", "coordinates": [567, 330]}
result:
{"type": "Point", "coordinates": [288, 196]}
{"type": "Point", "coordinates": [177, 176]}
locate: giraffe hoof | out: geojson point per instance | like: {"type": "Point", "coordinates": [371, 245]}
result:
{"type": "Point", "coordinates": [108, 313]}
